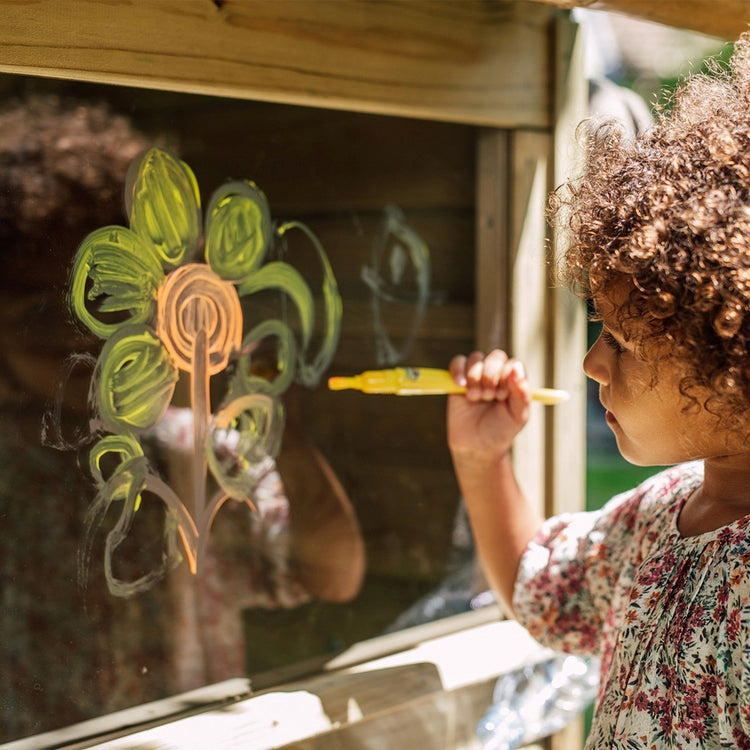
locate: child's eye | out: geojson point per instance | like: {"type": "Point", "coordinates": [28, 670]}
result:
{"type": "Point", "coordinates": [612, 343]}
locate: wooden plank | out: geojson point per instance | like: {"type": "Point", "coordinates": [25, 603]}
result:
{"type": "Point", "coordinates": [492, 255]}
{"type": "Point", "coordinates": [567, 317]}
{"type": "Point", "coordinates": [469, 61]}
{"type": "Point", "coordinates": [309, 161]}
{"type": "Point", "coordinates": [531, 157]}
{"type": "Point", "coordinates": [726, 19]}
{"type": "Point", "coordinates": [512, 282]}
{"type": "Point", "coordinates": [567, 321]}
{"type": "Point", "coordinates": [429, 697]}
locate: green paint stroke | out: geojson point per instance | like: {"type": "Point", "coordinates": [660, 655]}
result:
{"type": "Point", "coordinates": [125, 446]}
{"type": "Point", "coordinates": [244, 381]}
{"type": "Point", "coordinates": [136, 380]}
{"type": "Point", "coordinates": [117, 277]}
{"type": "Point", "coordinates": [164, 205]}
{"type": "Point", "coordinates": [238, 230]}
{"type": "Point", "coordinates": [116, 271]}
{"type": "Point", "coordinates": [282, 276]}
{"type": "Point", "coordinates": [309, 372]}
{"type": "Point", "coordinates": [128, 449]}
{"type": "Point", "coordinates": [240, 442]}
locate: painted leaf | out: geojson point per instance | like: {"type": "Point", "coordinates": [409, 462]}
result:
{"type": "Point", "coordinates": [116, 274]}
{"type": "Point", "coordinates": [125, 446]}
{"type": "Point", "coordinates": [282, 276]}
{"type": "Point", "coordinates": [245, 381]}
{"type": "Point", "coordinates": [310, 369]}
{"type": "Point", "coordinates": [245, 432]}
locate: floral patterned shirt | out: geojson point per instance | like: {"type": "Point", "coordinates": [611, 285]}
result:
{"type": "Point", "coordinates": [668, 616]}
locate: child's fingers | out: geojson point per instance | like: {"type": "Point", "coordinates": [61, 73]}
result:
{"type": "Point", "coordinates": [457, 369]}
{"type": "Point", "coordinates": [494, 378]}
{"type": "Point", "coordinates": [490, 377]}
{"type": "Point", "coordinates": [519, 391]}
{"type": "Point", "coordinates": [483, 375]}
{"type": "Point", "coordinates": [474, 375]}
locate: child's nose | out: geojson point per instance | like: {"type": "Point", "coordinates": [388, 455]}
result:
{"type": "Point", "coordinates": [594, 364]}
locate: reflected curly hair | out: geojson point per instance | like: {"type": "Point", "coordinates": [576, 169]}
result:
{"type": "Point", "coordinates": [62, 168]}
{"type": "Point", "coordinates": [668, 214]}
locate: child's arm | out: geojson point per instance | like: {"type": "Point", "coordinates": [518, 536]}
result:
{"type": "Point", "coordinates": [481, 427]}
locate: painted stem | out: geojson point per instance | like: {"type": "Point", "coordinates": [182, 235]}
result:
{"type": "Point", "coordinates": [200, 401]}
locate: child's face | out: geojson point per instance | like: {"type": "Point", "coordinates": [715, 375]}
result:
{"type": "Point", "coordinates": [645, 408]}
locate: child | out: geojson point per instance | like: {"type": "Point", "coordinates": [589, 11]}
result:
{"type": "Point", "coordinates": [657, 583]}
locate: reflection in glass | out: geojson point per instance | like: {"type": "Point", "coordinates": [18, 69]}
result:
{"type": "Point", "coordinates": [281, 583]}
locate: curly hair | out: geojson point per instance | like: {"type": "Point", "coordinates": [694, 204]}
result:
{"type": "Point", "coordinates": [62, 169]}
{"type": "Point", "coordinates": [668, 213]}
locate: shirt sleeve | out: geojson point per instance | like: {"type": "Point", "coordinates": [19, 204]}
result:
{"type": "Point", "coordinates": [735, 640]}
{"type": "Point", "coordinates": [568, 572]}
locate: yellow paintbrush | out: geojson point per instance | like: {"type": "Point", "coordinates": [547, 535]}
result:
{"type": "Point", "coordinates": [422, 381]}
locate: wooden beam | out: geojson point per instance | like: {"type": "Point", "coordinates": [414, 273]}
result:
{"type": "Point", "coordinates": [471, 61]}
{"type": "Point", "coordinates": [428, 695]}
{"type": "Point", "coordinates": [725, 19]}
{"type": "Point", "coordinates": [492, 261]}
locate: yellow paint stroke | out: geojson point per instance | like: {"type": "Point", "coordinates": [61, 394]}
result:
{"type": "Point", "coordinates": [244, 381]}
{"type": "Point", "coordinates": [239, 442]}
{"type": "Point", "coordinates": [163, 205]}
{"type": "Point", "coordinates": [159, 312]}
{"type": "Point", "coordinates": [125, 446]}
{"type": "Point", "coordinates": [116, 269]}
{"type": "Point", "coordinates": [310, 372]}
{"type": "Point", "coordinates": [399, 245]}
{"type": "Point", "coordinates": [238, 230]}
{"type": "Point", "coordinates": [134, 380]}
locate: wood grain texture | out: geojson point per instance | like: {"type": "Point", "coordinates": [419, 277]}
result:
{"type": "Point", "coordinates": [471, 61]}
{"type": "Point", "coordinates": [429, 697]}
{"type": "Point", "coordinates": [492, 271]}
{"type": "Point", "coordinates": [531, 159]}
{"type": "Point", "coordinates": [567, 319]}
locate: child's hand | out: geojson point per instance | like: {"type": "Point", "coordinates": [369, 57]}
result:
{"type": "Point", "coordinates": [483, 422]}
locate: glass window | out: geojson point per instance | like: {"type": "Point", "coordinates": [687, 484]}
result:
{"type": "Point", "coordinates": [337, 515]}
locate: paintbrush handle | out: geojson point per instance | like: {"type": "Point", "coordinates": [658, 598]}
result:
{"type": "Point", "coordinates": [423, 381]}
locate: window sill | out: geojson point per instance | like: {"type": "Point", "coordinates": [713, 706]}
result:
{"type": "Point", "coordinates": [428, 694]}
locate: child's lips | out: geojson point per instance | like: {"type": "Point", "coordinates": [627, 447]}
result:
{"type": "Point", "coordinates": [608, 416]}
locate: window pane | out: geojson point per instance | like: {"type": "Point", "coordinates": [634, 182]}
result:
{"type": "Point", "coordinates": [117, 588]}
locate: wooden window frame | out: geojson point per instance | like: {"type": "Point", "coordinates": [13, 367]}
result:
{"type": "Point", "coordinates": [511, 68]}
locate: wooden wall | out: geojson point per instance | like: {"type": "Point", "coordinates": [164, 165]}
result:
{"type": "Point", "coordinates": [475, 196]}
{"type": "Point", "coordinates": [337, 171]}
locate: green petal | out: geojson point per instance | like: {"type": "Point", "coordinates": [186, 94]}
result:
{"type": "Point", "coordinates": [124, 276]}
{"type": "Point", "coordinates": [244, 382]}
{"type": "Point", "coordinates": [238, 230]}
{"type": "Point", "coordinates": [135, 380]}
{"type": "Point", "coordinates": [280, 275]}
{"type": "Point", "coordinates": [125, 445]}
{"type": "Point", "coordinates": [252, 426]}
{"type": "Point", "coordinates": [164, 205]}
{"type": "Point", "coordinates": [310, 370]}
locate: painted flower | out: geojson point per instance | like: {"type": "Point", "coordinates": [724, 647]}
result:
{"type": "Point", "coordinates": [161, 310]}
